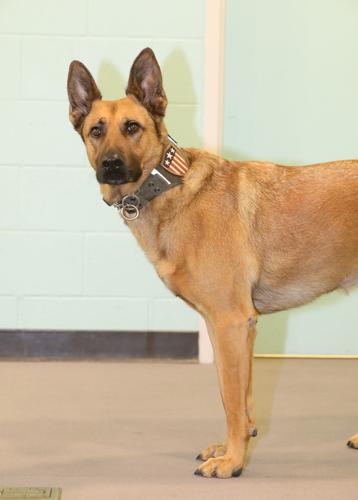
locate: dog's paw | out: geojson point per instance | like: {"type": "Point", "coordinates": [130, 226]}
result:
{"type": "Point", "coordinates": [221, 467]}
{"type": "Point", "coordinates": [213, 450]}
{"type": "Point", "coordinates": [253, 431]}
{"type": "Point", "coordinates": [353, 442]}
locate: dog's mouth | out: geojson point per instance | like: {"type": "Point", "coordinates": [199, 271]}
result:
{"type": "Point", "coordinates": [113, 182]}
{"type": "Point", "coordinates": [113, 191]}
{"type": "Point", "coordinates": [110, 203]}
{"type": "Point", "coordinates": [118, 178]}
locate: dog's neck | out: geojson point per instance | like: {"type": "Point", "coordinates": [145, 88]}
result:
{"type": "Point", "coordinates": [167, 175]}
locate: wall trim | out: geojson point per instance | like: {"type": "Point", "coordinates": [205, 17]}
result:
{"type": "Point", "coordinates": [72, 344]}
{"type": "Point", "coordinates": [307, 356]}
{"type": "Point", "coordinates": [212, 111]}
{"type": "Point", "coordinates": [213, 74]}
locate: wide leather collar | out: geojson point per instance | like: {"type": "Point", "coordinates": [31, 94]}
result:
{"type": "Point", "coordinates": [165, 176]}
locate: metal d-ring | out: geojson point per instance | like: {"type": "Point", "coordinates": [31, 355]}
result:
{"type": "Point", "coordinates": [129, 207]}
{"type": "Point", "coordinates": [129, 212]}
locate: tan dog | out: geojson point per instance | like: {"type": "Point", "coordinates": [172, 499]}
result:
{"type": "Point", "coordinates": [233, 239]}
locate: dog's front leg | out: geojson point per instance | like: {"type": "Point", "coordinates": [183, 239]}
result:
{"type": "Point", "coordinates": [219, 449]}
{"type": "Point", "coordinates": [232, 336]}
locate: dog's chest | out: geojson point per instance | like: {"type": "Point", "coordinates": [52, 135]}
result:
{"type": "Point", "coordinates": [165, 249]}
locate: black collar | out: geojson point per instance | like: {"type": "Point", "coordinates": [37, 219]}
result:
{"type": "Point", "coordinates": [167, 175]}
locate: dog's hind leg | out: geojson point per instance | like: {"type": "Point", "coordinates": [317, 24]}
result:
{"type": "Point", "coordinates": [353, 442]}
{"type": "Point", "coordinates": [249, 399]}
{"type": "Point", "coordinates": [232, 346]}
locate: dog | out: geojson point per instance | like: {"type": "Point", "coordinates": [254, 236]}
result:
{"type": "Point", "coordinates": [234, 239]}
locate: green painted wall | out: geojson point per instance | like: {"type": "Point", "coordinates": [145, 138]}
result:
{"type": "Point", "coordinates": [291, 96]}
{"type": "Point", "coordinates": [66, 260]}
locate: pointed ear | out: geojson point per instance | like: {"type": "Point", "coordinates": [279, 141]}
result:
{"type": "Point", "coordinates": [145, 83]}
{"type": "Point", "coordinates": [82, 91]}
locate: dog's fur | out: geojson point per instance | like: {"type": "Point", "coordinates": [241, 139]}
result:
{"type": "Point", "coordinates": [235, 240]}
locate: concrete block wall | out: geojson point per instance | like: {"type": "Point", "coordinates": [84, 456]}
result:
{"type": "Point", "coordinates": [66, 260]}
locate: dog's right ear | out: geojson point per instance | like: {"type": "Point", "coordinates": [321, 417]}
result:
{"type": "Point", "coordinates": [82, 91]}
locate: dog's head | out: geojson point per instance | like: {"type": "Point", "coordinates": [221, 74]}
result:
{"type": "Point", "coordinates": [124, 138]}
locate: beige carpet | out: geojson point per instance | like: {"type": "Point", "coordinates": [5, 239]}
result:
{"type": "Point", "coordinates": [108, 430]}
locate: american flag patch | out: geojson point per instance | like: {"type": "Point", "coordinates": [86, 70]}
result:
{"type": "Point", "coordinates": [174, 162]}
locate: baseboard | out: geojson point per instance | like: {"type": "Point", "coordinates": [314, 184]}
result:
{"type": "Point", "coordinates": [72, 344]}
{"type": "Point", "coordinates": [55, 344]}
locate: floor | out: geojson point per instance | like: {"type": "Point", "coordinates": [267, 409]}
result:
{"type": "Point", "coordinates": [130, 430]}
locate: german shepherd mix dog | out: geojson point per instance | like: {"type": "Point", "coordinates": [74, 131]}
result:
{"type": "Point", "coordinates": [234, 239]}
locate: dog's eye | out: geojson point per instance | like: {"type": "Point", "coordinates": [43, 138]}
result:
{"type": "Point", "coordinates": [132, 127]}
{"type": "Point", "coordinates": [96, 132]}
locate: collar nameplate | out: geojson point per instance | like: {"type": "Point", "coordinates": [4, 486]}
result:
{"type": "Point", "coordinates": [174, 161]}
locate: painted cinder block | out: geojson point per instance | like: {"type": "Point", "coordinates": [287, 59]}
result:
{"type": "Point", "coordinates": [11, 154]}
{"type": "Point", "coordinates": [40, 263]}
{"type": "Point", "coordinates": [110, 59]}
{"type": "Point", "coordinates": [8, 312]}
{"type": "Point", "coordinates": [162, 312]}
{"type": "Point", "coordinates": [43, 17]}
{"type": "Point", "coordinates": [49, 198]}
{"type": "Point", "coordinates": [64, 199]}
{"type": "Point", "coordinates": [142, 19]}
{"type": "Point", "coordinates": [83, 313]}
{"type": "Point", "coordinates": [184, 124]}
{"type": "Point", "coordinates": [10, 50]}
{"type": "Point", "coordinates": [9, 272]}
{"type": "Point", "coordinates": [115, 265]}
{"type": "Point", "coordinates": [47, 137]}
{"type": "Point", "coordinates": [45, 65]}
{"type": "Point", "coordinates": [9, 196]}
{"type": "Point", "coordinates": [297, 331]}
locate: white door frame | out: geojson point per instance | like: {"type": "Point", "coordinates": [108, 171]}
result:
{"type": "Point", "coordinates": [213, 111]}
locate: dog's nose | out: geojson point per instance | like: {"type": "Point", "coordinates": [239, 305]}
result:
{"type": "Point", "coordinates": [112, 170]}
{"type": "Point", "coordinates": [112, 165]}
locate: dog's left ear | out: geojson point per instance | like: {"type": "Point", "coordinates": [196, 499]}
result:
{"type": "Point", "coordinates": [145, 83]}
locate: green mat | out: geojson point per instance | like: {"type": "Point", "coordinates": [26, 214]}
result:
{"type": "Point", "coordinates": [9, 493]}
